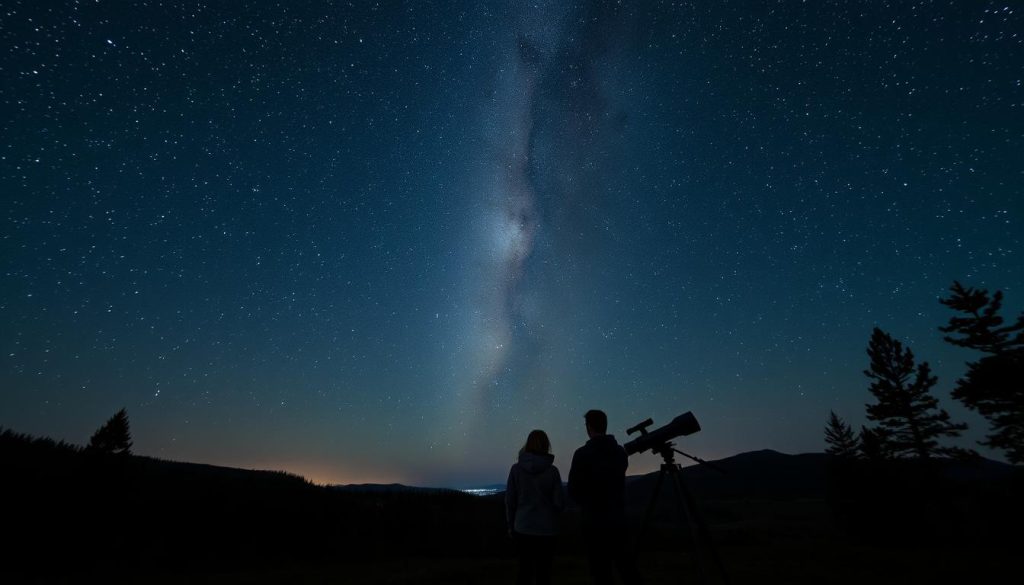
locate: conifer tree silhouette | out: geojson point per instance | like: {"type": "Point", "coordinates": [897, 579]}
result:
{"type": "Point", "coordinates": [840, 438]}
{"type": "Point", "coordinates": [910, 421]}
{"type": "Point", "coordinates": [993, 385]}
{"type": "Point", "coordinates": [114, 436]}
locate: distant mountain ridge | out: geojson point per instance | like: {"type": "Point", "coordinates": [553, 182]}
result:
{"type": "Point", "coordinates": [386, 488]}
{"type": "Point", "coordinates": [761, 474]}
{"type": "Point", "coordinates": [771, 475]}
{"type": "Point", "coordinates": [755, 474]}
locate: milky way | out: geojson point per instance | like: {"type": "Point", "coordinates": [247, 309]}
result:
{"type": "Point", "coordinates": [507, 221]}
{"type": "Point", "coordinates": [543, 113]}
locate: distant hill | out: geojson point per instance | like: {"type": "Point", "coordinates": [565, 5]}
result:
{"type": "Point", "coordinates": [35, 459]}
{"type": "Point", "coordinates": [935, 500]}
{"type": "Point", "coordinates": [756, 474]}
{"type": "Point", "coordinates": [764, 474]}
{"type": "Point", "coordinates": [382, 488]}
{"type": "Point", "coordinates": [768, 474]}
{"type": "Point", "coordinates": [77, 510]}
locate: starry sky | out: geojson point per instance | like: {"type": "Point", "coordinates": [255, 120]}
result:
{"type": "Point", "coordinates": [382, 241]}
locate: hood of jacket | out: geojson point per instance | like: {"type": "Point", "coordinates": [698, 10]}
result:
{"type": "Point", "coordinates": [533, 463]}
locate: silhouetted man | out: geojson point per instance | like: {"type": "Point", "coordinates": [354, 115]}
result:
{"type": "Point", "coordinates": [597, 483]}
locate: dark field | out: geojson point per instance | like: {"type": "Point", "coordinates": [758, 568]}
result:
{"type": "Point", "coordinates": [72, 516]}
{"type": "Point", "coordinates": [788, 542]}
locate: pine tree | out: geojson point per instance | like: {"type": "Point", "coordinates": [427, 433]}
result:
{"type": "Point", "coordinates": [908, 415]}
{"type": "Point", "coordinates": [993, 385]}
{"type": "Point", "coordinates": [114, 436]}
{"type": "Point", "coordinates": [840, 438]}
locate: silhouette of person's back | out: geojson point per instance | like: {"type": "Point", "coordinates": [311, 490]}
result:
{"type": "Point", "coordinates": [533, 502]}
{"type": "Point", "coordinates": [597, 480]}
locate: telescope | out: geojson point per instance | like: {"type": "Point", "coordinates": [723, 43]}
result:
{"type": "Point", "coordinates": [656, 440]}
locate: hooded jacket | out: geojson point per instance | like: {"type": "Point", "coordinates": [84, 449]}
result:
{"type": "Point", "coordinates": [533, 495]}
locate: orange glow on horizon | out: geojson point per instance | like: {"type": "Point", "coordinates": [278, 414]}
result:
{"type": "Point", "coordinates": [317, 472]}
{"type": "Point", "coordinates": [320, 473]}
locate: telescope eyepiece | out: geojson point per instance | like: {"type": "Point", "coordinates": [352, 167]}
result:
{"type": "Point", "coordinates": [641, 426]}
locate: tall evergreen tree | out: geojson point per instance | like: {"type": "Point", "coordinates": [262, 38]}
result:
{"type": "Point", "coordinates": [993, 385]}
{"type": "Point", "coordinates": [908, 415]}
{"type": "Point", "coordinates": [839, 436]}
{"type": "Point", "coordinates": [114, 436]}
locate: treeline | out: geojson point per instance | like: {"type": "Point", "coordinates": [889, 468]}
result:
{"type": "Point", "coordinates": [74, 510]}
{"type": "Point", "coordinates": [898, 475]}
{"type": "Point", "coordinates": [909, 423]}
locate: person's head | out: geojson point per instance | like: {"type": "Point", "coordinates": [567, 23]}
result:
{"type": "Point", "coordinates": [597, 422]}
{"type": "Point", "coordinates": [537, 443]}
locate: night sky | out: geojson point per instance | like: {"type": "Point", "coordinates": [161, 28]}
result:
{"type": "Point", "coordinates": [375, 242]}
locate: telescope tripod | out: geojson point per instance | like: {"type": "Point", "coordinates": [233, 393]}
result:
{"type": "Point", "coordinates": [686, 508]}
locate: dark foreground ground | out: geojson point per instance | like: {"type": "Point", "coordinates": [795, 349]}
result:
{"type": "Point", "coordinates": [71, 516]}
{"type": "Point", "coordinates": [791, 542]}
{"type": "Point", "coordinates": [780, 564]}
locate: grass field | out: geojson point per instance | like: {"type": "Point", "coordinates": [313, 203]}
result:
{"type": "Point", "coordinates": [792, 542]}
{"type": "Point", "coordinates": [807, 563]}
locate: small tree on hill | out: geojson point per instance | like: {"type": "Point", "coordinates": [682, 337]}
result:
{"type": "Point", "coordinates": [908, 415]}
{"type": "Point", "coordinates": [114, 436]}
{"type": "Point", "coordinates": [993, 385]}
{"type": "Point", "coordinates": [839, 436]}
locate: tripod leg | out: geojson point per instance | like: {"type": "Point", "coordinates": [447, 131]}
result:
{"type": "Point", "coordinates": [685, 511]}
{"type": "Point", "coordinates": [701, 525]}
{"type": "Point", "coordinates": [650, 507]}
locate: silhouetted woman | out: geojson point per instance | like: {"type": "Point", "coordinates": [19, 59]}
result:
{"type": "Point", "coordinates": [533, 501]}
